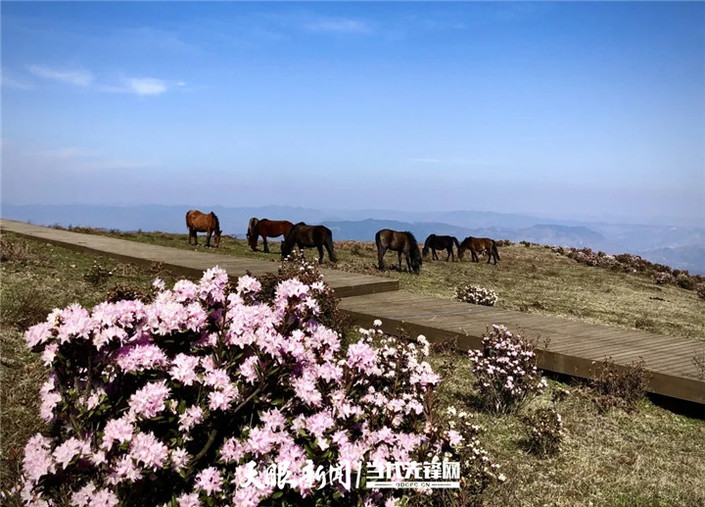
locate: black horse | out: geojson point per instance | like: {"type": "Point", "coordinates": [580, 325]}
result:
{"type": "Point", "coordinates": [308, 236]}
{"type": "Point", "coordinates": [446, 243]}
{"type": "Point", "coordinates": [479, 245]}
{"type": "Point", "coordinates": [400, 242]}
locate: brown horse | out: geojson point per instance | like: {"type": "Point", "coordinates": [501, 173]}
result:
{"type": "Point", "coordinates": [308, 236]}
{"type": "Point", "coordinates": [200, 222]}
{"type": "Point", "coordinates": [400, 242]}
{"type": "Point", "coordinates": [446, 243]}
{"type": "Point", "coordinates": [267, 229]}
{"type": "Point", "coordinates": [479, 245]}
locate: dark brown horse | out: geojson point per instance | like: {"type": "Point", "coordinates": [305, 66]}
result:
{"type": "Point", "coordinates": [267, 229]}
{"type": "Point", "coordinates": [308, 236]}
{"type": "Point", "coordinates": [446, 243]}
{"type": "Point", "coordinates": [479, 245]}
{"type": "Point", "coordinates": [400, 242]}
{"type": "Point", "coordinates": [200, 222]}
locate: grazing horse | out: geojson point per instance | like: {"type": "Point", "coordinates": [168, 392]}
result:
{"type": "Point", "coordinates": [200, 222]}
{"type": "Point", "coordinates": [267, 229]}
{"type": "Point", "coordinates": [479, 245]}
{"type": "Point", "coordinates": [307, 236]}
{"type": "Point", "coordinates": [400, 242]}
{"type": "Point", "coordinates": [446, 243]}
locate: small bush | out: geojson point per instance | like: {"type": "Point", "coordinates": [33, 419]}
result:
{"type": "Point", "coordinates": [14, 251]}
{"type": "Point", "coordinates": [699, 362]}
{"type": "Point", "coordinates": [664, 278]}
{"type": "Point", "coordinates": [621, 387]}
{"type": "Point", "coordinates": [544, 428]}
{"type": "Point", "coordinates": [97, 275]}
{"type": "Point", "coordinates": [701, 291]}
{"type": "Point", "coordinates": [476, 295]}
{"type": "Point", "coordinates": [505, 371]}
{"type": "Point", "coordinates": [685, 281]}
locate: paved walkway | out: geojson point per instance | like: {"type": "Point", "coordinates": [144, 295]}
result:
{"type": "Point", "coordinates": [564, 346]}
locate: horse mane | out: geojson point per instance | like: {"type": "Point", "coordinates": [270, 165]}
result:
{"type": "Point", "coordinates": [414, 250]}
{"type": "Point", "coordinates": [217, 222]}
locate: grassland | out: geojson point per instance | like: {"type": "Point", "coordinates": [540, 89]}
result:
{"type": "Point", "coordinates": [649, 457]}
{"type": "Point", "coordinates": [529, 279]}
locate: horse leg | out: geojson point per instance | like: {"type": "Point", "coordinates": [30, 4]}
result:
{"type": "Point", "coordinates": [475, 258]}
{"type": "Point", "coordinates": [320, 254]}
{"type": "Point", "coordinates": [208, 237]}
{"type": "Point", "coordinates": [489, 256]}
{"type": "Point", "coordinates": [450, 251]}
{"type": "Point", "coordinates": [380, 258]}
{"type": "Point", "coordinates": [264, 242]}
{"type": "Point", "coordinates": [435, 255]}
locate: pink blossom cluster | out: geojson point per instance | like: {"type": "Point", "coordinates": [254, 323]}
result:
{"type": "Point", "coordinates": [188, 399]}
{"type": "Point", "coordinates": [505, 370]}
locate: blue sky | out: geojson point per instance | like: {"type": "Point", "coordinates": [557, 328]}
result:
{"type": "Point", "coordinates": [588, 109]}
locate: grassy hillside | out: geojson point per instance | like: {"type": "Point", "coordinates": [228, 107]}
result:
{"type": "Point", "coordinates": [533, 279]}
{"type": "Point", "coordinates": [647, 457]}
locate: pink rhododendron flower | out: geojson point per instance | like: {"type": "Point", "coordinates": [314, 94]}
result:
{"type": "Point", "coordinates": [183, 369]}
{"type": "Point", "coordinates": [148, 450]}
{"type": "Point", "coordinates": [209, 480]}
{"type": "Point", "coordinates": [149, 400]}
{"type": "Point", "coordinates": [141, 357]}
{"type": "Point", "coordinates": [120, 430]}
{"type": "Point", "coordinates": [189, 500]}
{"type": "Point", "coordinates": [37, 460]}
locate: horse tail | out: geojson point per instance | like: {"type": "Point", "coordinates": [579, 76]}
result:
{"type": "Point", "coordinates": [378, 240]}
{"type": "Point", "coordinates": [188, 225]}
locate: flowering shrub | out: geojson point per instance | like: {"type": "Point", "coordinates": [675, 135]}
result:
{"type": "Point", "coordinates": [190, 399]}
{"type": "Point", "coordinates": [544, 429]}
{"type": "Point", "coordinates": [628, 263]}
{"type": "Point", "coordinates": [505, 371]}
{"type": "Point", "coordinates": [476, 295]}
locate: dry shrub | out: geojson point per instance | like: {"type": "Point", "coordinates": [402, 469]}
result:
{"type": "Point", "coordinates": [544, 431]}
{"type": "Point", "coordinates": [620, 386]}
{"type": "Point", "coordinates": [684, 281]}
{"type": "Point", "coordinates": [701, 291]}
{"type": "Point", "coordinates": [14, 251]}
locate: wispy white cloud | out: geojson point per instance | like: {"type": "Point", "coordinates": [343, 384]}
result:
{"type": "Point", "coordinates": [67, 153]}
{"type": "Point", "coordinates": [77, 77]}
{"type": "Point", "coordinates": [9, 81]}
{"type": "Point", "coordinates": [86, 160]}
{"type": "Point", "coordinates": [146, 86]}
{"type": "Point", "coordinates": [339, 26]}
{"type": "Point", "coordinates": [449, 161]}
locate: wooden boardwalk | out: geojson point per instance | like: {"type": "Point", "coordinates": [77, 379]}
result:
{"type": "Point", "coordinates": [564, 346]}
{"type": "Point", "coordinates": [190, 262]}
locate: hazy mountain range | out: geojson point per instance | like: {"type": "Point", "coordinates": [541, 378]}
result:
{"type": "Point", "coordinates": [680, 246]}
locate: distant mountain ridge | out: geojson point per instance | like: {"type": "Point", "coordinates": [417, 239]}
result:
{"type": "Point", "coordinates": [681, 247]}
